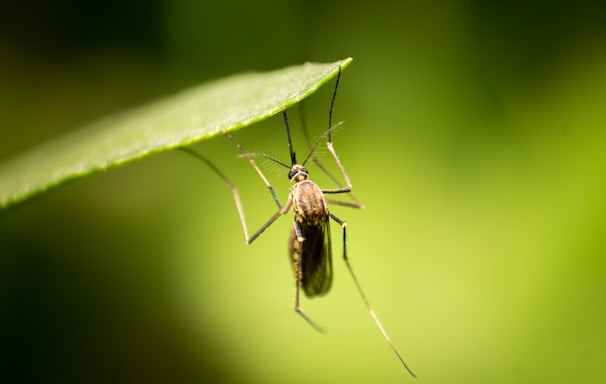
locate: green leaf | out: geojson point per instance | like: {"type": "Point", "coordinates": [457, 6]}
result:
{"type": "Point", "coordinates": [193, 115]}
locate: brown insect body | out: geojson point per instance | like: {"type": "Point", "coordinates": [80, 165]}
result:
{"type": "Point", "coordinates": [309, 242]}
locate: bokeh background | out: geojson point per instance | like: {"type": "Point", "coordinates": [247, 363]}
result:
{"type": "Point", "coordinates": [473, 133]}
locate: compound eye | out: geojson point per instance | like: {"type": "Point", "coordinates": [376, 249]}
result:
{"type": "Point", "coordinates": [291, 174]}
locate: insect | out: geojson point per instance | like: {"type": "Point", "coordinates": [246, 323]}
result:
{"type": "Point", "coordinates": [310, 239]}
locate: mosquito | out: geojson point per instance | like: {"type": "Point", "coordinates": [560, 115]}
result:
{"type": "Point", "coordinates": [310, 240]}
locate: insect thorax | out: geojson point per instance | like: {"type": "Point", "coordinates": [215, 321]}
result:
{"type": "Point", "coordinates": [309, 205]}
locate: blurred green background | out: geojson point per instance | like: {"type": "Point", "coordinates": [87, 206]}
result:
{"type": "Point", "coordinates": [474, 135]}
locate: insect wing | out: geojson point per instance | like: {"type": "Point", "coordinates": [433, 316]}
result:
{"type": "Point", "coordinates": [315, 253]}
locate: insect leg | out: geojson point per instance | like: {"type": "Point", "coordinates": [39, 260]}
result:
{"type": "Point", "coordinates": [347, 188]}
{"type": "Point", "coordinates": [341, 189]}
{"type": "Point", "coordinates": [347, 204]}
{"type": "Point", "coordinates": [231, 186]}
{"type": "Point", "coordinates": [312, 157]}
{"type": "Point", "coordinates": [361, 292]}
{"type": "Point", "coordinates": [271, 220]}
{"type": "Point", "coordinates": [254, 165]}
{"type": "Point", "coordinates": [298, 235]}
{"type": "Point", "coordinates": [234, 190]}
